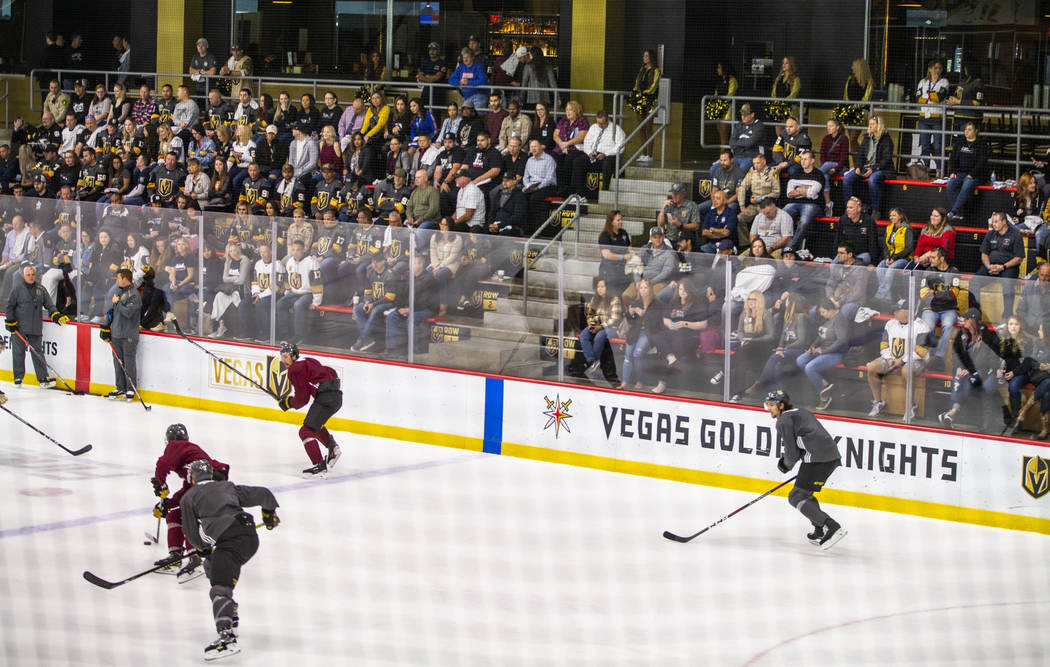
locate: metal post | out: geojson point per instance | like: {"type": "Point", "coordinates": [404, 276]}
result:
{"type": "Point", "coordinates": [411, 297]}
{"type": "Point", "coordinates": [389, 38]}
{"type": "Point", "coordinates": [1017, 146]}
{"type": "Point", "coordinates": [867, 26]}
{"type": "Point", "coordinates": [561, 312]}
{"type": "Point", "coordinates": [726, 333]}
{"type": "Point", "coordinates": [200, 276]}
{"type": "Point", "coordinates": [273, 281]}
{"type": "Point", "coordinates": [909, 348]}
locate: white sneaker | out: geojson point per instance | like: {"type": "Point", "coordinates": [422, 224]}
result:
{"type": "Point", "coordinates": [644, 158]}
{"type": "Point", "coordinates": [829, 210]}
{"type": "Point", "coordinates": [717, 379]}
{"type": "Point", "coordinates": [877, 408]}
{"type": "Point", "coordinates": [47, 384]}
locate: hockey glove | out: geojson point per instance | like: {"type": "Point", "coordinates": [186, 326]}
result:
{"type": "Point", "coordinates": [11, 326]}
{"type": "Point", "coordinates": [160, 489]}
{"type": "Point", "coordinates": [203, 552]}
{"type": "Point", "coordinates": [160, 510]}
{"type": "Point", "coordinates": [220, 474]}
{"type": "Point", "coordinates": [975, 380]}
{"type": "Point", "coordinates": [285, 403]}
{"type": "Point", "coordinates": [59, 318]}
{"type": "Point", "coordinates": [782, 467]}
{"type": "Point", "coordinates": [270, 519]}
{"type": "Point", "coordinates": [3, 398]}
{"type": "Point", "coordinates": [104, 333]}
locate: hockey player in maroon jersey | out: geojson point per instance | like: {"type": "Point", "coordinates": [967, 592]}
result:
{"type": "Point", "coordinates": [177, 457]}
{"type": "Point", "coordinates": [310, 379]}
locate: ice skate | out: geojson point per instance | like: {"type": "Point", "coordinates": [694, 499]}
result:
{"type": "Point", "coordinates": [170, 568]}
{"type": "Point", "coordinates": [815, 536]}
{"type": "Point", "coordinates": [223, 647]}
{"type": "Point", "coordinates": [319, 471]}
{"type": "Point", "coordinates": [333, 454]}
{"type": "Point", "coordinates": [194, 568]}
{"type": "Point", "coordinates": [833, 533]}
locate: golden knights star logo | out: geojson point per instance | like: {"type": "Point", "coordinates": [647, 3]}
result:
{"type": "Point", "coordinates": [1035, 476]}
{"type": "Point", "coordinates": [557, 414]}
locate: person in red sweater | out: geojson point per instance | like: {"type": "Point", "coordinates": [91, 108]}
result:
{"type": "Point", "coordinates": [178, 454]}
{"type": "Point", "coordinates": [834, 158]}
{"type": "Point", "coordinates": [935, 233]}
{"type": "Point", "coordinates": [310, 379]}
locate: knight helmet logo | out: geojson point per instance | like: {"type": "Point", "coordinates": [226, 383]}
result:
{"type": "Point", "coordinates": [277, 376]}
{"type": "Point", "coordinates": [1035, 475]}
{"type": "Point", "coordinates": [594, 180]}
{"type": "Point", "coordinates": [703, 186]}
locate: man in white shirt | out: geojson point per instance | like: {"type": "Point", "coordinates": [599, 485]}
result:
{"type": "Point", "coordinates": [773, 225]}
{"type": "Point", "coordinates": [603, 143]}
{"type": "Point", "coordinates": [71, 134]}
{"type": "Point", "coordinates": [470, 204]}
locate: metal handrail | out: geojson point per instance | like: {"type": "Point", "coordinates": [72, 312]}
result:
{"type": "Point", "coordinates": [946, 130]}
{"type": "Point", "coordinates": [659, 129]}
{"type": "Point", "coordinates": [556, 214]}
{"type": "Point", "coordinates": [616, 112]}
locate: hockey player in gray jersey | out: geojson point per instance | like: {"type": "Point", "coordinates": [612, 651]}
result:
{"type": "Point", "coordinates": [805, 439]}
{"type": "Point", "coordinates": [215, 523]}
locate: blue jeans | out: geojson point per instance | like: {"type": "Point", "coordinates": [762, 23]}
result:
{"type": "Point", "coordinates": [299, 304]}
{"type": "Point", "coordinates": [961, 389]}
{"type": "Point", "coordinates": [815, 364]}
{"type": "Point", "coordinates": [886, 275]}
{"type": "Point", "coordinates": [947, 320]}
{"type": "Point", "coordinates": [368, 322]}
{"type": "Point", "coordinates": [778, 368]}
{"type": "Point", "coordinates": [1016, 383]}
{"type": "Point", "coordinates": [930, 144]}
{"type": "Point", "coordinates": [633, 356]}
{"type": "Point", "coordinates": [960, 190]}
{"type": "Point", "coordinates": [849, 184]}
{"type": "Point", "coordinates": [593, 344]}
{"type": "Point", "coordinates": [805, 212]}
{"type": "Point", "coordinates": [1042, 394]}
{"type": "Point", "coordinates": [826, 169]}
{"type": "Point", "coordinates": [397, 329]}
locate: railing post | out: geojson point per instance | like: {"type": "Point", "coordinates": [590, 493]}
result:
{"type": "Point", "coordinates": [411, 297]}
{"type": "Point", "coordinates": [1017, 146]}
{"type": "Point", "coordinates": [909, 349]}
{"type": "Point", "coordinates": [561, 312]}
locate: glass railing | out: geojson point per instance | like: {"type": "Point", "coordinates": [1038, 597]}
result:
{"type": "Point", "coordinates": [696, 325]}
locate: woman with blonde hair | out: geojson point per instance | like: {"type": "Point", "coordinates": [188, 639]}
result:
{"type": "Point", "coordinates": [874, 164]}
{"type": "Point", "coordinates": [331, 152]}
{"type": "Point", "coordinates": [858, 88]}
{"type": "Point", "coordinates": [643, 318]}
{"type": "Point", "coordinates": [169, 143]}
{"type": "Point", "coordinates": [569, 134]}
{"type": "Point", "coordinates": [931, 91]}
{"type": "Point", "coordinates": [755, 335]}
{"type": "Point", "coordinates": [242, 154]}
{"type": "Point", "coordinates": [603, 315]}
{"type": "Point", "coordinates": [796, 334]}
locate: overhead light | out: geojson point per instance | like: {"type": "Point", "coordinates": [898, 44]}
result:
{"type": "Point", "coordinates": [909, 4]}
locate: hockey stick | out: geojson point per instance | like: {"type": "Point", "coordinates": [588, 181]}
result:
{"type": "Point", "coordinates": [222, 361]}
{"type": "Point", "coordinates": [679, 538]}
{"type": "Point", "coordinates": [128, 377]}
{"type": "Point", "coordinates": [98, 581]}
{"type": "Point", "coordinates": [75, 452]}
{"type": "Point", "coordinates": [153, 539]}
{"type": "Point", "coordinates": [75, 392]}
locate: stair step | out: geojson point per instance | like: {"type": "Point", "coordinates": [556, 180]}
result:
{"type": "Point", "coordinates": [659, 174]}
{"type": "Point", "coordinates": [650, 202]}
{"type": "Point", "coordinates": [574, 266]}
{"type": "Point", "coordinates": [537, 308]}
{"type": "Point", "coordinates": [576, 283]}
{"type": "Point", "coordinates": [595, 223]}
{"type": "Point", "coordinates": [641, 185]}
{"type": "Point", "coordinates": [630, 211]}
{"type": "Point", "coordinates": [515, 322]}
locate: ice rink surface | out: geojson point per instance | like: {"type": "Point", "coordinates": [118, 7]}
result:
{"type": "Point", "coordinates": [411, 554]}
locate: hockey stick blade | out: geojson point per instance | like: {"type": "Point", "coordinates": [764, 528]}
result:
{"type": "Point", "coordinates": [102, 583]}
{"type": "Point", "coordinates": [677, 538]}
{"type": "Point", "coordinates": [77, 452]}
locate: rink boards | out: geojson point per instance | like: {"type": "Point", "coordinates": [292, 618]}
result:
{"type": "Point", "coordinates": [928, 472]}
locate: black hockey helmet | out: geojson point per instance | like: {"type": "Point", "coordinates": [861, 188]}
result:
{"type": "Point", "coordinates": [290, 348]}
{"type": "Point", "coordinates": [176, 432]}
{"type": "Point", "coordinates": [201, 471]}
{"type": "Point", "coordinates": [776, 396]}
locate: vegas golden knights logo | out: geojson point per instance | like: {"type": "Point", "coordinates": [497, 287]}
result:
{"type": "Point", "coordinates": [1035, 476]}
{"type": "Point", "coordinates": [251, 194]}
{"type": "Point", "coordinates": [295, 280]}
{"type": "Point", "coordinates": [897, 347]}
{"type": "Point", "coordinates": [703, 186]}
{"type": "Point", "coordinates": [264, 281]}
{"type": "Point", "coordinates": [477, 298]}
{"type": "Point", "coordinates": [323, 198]}
{"type": "Point", "coordinates": [517, 257]}
{"type": "Point", "coordinates": [551, 348]}
{"type": "Point", "coordinates": [394, 249]}
{"type": "Point", "coordinates": [377, 290]}
{"type": "Point", "coordinates": [436, 334]}
{"type": "Point", "coordinates": [285, 201]}
{"type": "Point", "coordinates": [594, 180]}
{"type": "Point", "coordinates": [324, 244]}
{"type": "Point", "coordinates": [164, 187]}
{"type": "Point", "coordinates": [277, 377]}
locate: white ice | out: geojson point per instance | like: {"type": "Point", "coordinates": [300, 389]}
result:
{"type": "Point", "coordinates": [411, 554]}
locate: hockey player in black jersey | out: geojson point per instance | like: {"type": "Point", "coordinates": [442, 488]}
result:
{"type": "Point", "coordinates": [215, 523]}
{"type": "Point", "coordinates": [803, 438]}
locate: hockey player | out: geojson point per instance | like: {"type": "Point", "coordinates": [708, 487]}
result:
{"type": "Point", "coordinates": [803, 438]}
{"type": "Point", "coordinates": [221, 531]}
{"type": "Point", "coordinates": [309, 379]}
{"type": "Point", "coordinates": [178, 454]}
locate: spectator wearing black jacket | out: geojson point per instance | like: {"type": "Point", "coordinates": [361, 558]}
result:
{"type": "Point", "coordinates": [968, 168]}
{"type": "Point", "coordinates": [8, 168]}
{"type": "Point", "coordinates": [747, 140]}
{"type": "Point", "coordinates": [1001, 254]}
{"type": "Point", "coordinates": [506, 209]}
{"type": "Point", "coordinates": [873, 163]}
{"type": "Point", "coordinates": [860, 231]}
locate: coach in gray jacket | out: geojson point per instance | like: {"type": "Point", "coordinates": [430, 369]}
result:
{"type": "Point", "coordinates": [26, 305]}
{"type": "Point", "coordinates": [124, 333]}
